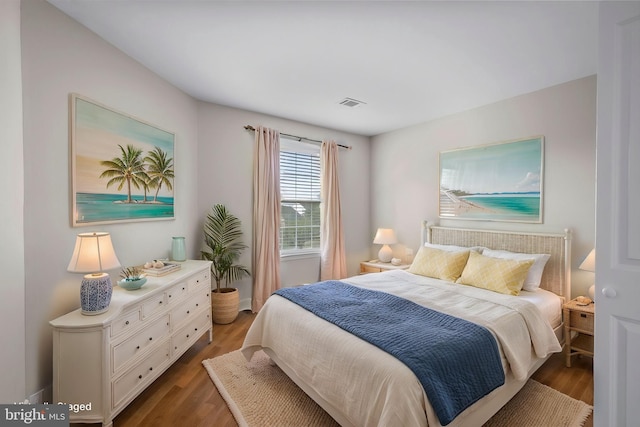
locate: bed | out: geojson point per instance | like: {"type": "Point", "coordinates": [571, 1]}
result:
{"type": "Point", "coordinates": [359, 384]}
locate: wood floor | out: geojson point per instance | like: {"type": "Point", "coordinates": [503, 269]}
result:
{"type": "Point", "coordinates": [185, 396]}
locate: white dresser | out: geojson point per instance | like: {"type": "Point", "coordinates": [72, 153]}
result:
{"type": "Point", "coordinates": [103, 362]}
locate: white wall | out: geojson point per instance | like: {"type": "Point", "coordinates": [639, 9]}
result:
{"type": "Point", "coordinates": [12, 291]}
{"type": "Point", "coordinates": [404, 165]}
{"type": "Point", "coordinates": [59, 57]}
{"type": "Point", "coordinates": [225, 176]}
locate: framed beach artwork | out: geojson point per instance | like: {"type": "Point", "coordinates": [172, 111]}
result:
{"type": "Point", "coordinates": [493, 182]}
{"type": "Point", "coordinates": [122, 168]}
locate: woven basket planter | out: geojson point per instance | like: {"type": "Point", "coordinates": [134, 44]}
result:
{"type": "Point", "coordinates": [225, 305]}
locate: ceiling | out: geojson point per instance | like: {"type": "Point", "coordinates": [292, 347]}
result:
{"type": "Point", "coordinates": [410, 62]}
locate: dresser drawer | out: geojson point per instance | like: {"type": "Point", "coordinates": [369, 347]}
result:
{"type": "Point", "coordinates": [153, 305]}
{"type": "Point", "coordinates": [137, 344]}
{"type": "Point", "coordinates": [177, 292]}
{"type": "Point", "coordinates": [140, 375]}
{"type": "Point", "coordinates": [189, 308]}
{"type": "Point", "coordinates": [581, 321]}
{"type": "Point", "coordinates": [182, 339]}
{"type": "Point", "coordinates": [126, 322]}
{"type": "Point", "coordinates": [369, 269]}
{"type": "Point", "coordinates": [200, 281]}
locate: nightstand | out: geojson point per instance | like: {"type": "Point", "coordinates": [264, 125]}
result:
{"type": "Point", "coordinates": [377, 267]}
{"type": "Point", "coordinates": [578, 329]}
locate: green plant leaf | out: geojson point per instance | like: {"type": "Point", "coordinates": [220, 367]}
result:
{"type": "Point", "coordinates": [223, 240]}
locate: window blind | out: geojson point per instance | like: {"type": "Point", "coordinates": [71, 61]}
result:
{"type": "Point", "coordinates": [300, 199]}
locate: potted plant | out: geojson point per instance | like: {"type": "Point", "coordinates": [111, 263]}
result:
{"type": "Point", "coordinates": [223, 246]}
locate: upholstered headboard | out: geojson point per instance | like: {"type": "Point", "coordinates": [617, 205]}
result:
{"type": "Point", "coordinates": [557, 273]}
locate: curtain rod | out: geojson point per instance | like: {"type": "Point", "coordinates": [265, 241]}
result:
{"type": "Point", "coordinates": [300, 138]}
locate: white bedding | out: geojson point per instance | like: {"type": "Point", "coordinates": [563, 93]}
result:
{"type": "Point", "coordinates": [549, 304]}
{"type": "Point", "coordinates": [366, 386]}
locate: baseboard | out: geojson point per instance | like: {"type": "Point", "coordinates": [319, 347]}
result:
{"type": "Point", "coordinates": [245, 304]}
{"type": "Point", "coordinates": [44, 395]}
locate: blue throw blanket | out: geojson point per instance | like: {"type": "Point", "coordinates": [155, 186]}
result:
{"type": "Point", "coordinates": [456, 361]}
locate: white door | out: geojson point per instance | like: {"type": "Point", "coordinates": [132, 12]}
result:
{"type": "Point", "coordinates": [617, 331]}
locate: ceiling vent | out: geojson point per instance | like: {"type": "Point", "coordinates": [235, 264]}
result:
{"type": "Point", "coordinates": [351, 103]}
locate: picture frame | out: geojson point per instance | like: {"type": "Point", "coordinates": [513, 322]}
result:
{"type": "Point", "coordinates": [122, 168]}
{"type": "Point", "coordinates": [501, 181]}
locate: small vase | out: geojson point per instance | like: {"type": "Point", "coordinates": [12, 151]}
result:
{"type": "Point", "coordinates": [178, 250]}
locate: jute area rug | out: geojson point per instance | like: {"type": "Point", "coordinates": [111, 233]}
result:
{"type": "Point", "coordinates": [259, 394]}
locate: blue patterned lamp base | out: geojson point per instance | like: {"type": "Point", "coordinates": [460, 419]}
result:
{"type": "Point", "coordinates": [95, 293]}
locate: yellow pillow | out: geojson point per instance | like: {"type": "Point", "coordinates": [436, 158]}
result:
{"type": "Point", "coordinates": [505, 276]}
{"type": "Point", "coordinates": [443, 265]}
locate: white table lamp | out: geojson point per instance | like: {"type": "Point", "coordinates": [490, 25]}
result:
{"type": "Point", "coordinates": [385, 237]}
{"type": "Point", "coordinates": [93, 254]}
{"type": "Point", "coordinates": [589, 264]}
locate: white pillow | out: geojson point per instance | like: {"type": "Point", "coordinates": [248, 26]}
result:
{"type": "Point", "coordinates": [453, 248]}
{"type": "Point", "coordinates": [532, 281]}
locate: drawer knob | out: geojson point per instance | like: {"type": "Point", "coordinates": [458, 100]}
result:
{"type": "Point", "coordinates": [150, 338]}
{"type": "Point", "coordinates": [188, 311]}
{"type": "Point", "coordinates": [159, 302]}
{"type": "Point", "coordinates": [197, 305]}
{"type": "Point", "coordinates": [196, 329]}
{"type": "Point", "coordinates": [183, 288]}
{"type": "Point", "coordinates": [187, 335]}
{"type": "Point", "coordinates": [126, 323]}
{"type": "Point", "coordinates": [139, 377]}
{"type": "Point", "coordinates": [169, 295]}
{"type": "Point", "coordinates": [138, 347]}
{"type": "Point", "coordinates": [151, 369]}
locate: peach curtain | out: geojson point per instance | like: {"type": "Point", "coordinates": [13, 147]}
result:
{"type": "Point", "coordinates": [266, 216]}
{"type": "Point", "coordinates": [333, 263]}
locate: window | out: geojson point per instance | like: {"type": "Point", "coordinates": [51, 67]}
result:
{"type": "Point", "coordinates": [300, 197]}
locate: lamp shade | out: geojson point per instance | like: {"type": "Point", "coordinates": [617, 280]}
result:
{"type": "Point", "coordinates": [589, 263]}
{"type": "Point", "coordinates": [93, 253]}
{"type": "Point", "coordinates": [385, 236]}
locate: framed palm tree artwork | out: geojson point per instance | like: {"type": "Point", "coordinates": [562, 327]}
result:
{"type": "Point", "coordinates": [122, 168]}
